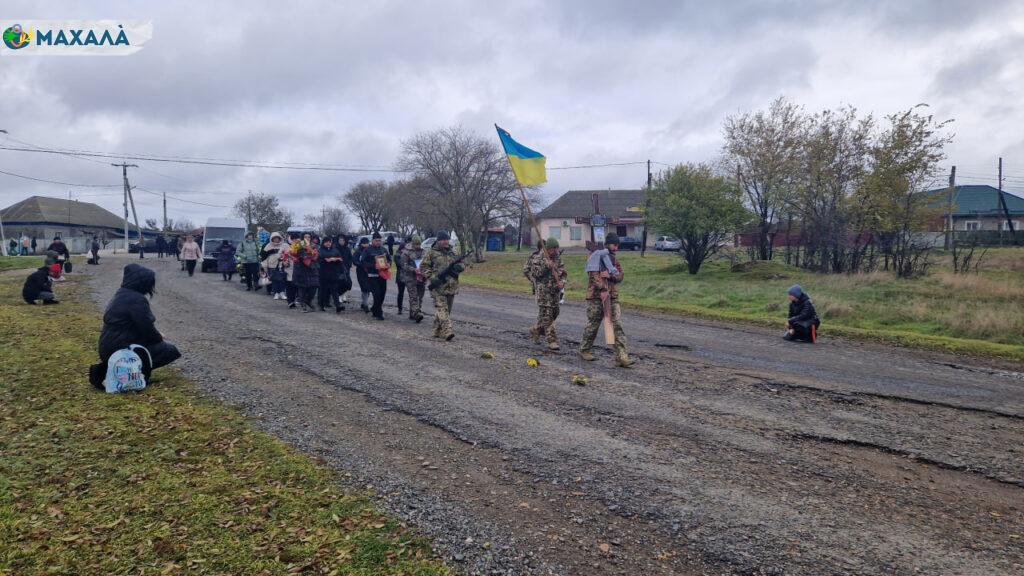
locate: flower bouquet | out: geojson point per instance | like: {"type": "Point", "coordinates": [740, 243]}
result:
{"type": "Point", "coordinates": [304, 252]}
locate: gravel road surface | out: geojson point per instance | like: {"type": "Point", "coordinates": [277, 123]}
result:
{"type": "Point", "coordinates": [723, 451]}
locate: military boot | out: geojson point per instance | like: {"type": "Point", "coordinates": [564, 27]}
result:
{"type": "Point", "coordinates": [587, 355]}
{"type": "Point", "coordinates": [554, 346]}
{"type": "Point", "coordinates": [535, 334]}
{"type": "Point", "coordinates": [624, 362]}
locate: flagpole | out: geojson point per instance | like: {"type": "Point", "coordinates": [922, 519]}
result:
{"type": "Point", "coordinates": [522, 193]}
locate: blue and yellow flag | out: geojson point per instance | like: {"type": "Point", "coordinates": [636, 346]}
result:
{"type": "Point", "coordinates": [529, 166]}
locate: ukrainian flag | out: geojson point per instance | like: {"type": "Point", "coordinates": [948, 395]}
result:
{"type": "Point", "coordinates": [529, 166]}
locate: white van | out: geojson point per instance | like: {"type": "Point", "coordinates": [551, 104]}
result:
{"type": "Point", "coordinates": [217, 230]}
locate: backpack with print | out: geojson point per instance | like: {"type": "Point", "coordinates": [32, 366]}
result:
{"type": "Point", "coordinates": [125, 370]}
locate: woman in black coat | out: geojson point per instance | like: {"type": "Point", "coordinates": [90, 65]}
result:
{"type": "Point", "coordinates": [361, 277]}
{"type": "Point", "coordinates": [803, 321]}
{"type": "Point", "coordinates": [306, 277]}
{"type": "Point", "coordinates": [128, 319]}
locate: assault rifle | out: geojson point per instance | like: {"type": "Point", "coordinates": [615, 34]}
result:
{"type": "Point", "coordinates": [452, 270]}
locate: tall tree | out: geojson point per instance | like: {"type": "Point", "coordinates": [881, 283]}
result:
{"type": "Point", "coordinates": [466, 177]}
{"type": "Point", "coordinates": [764, 147]}
{"type": "Point", "coordinates": [368, 200]}
{"type": "Point", "coordinates": [904, 161]}
{"type": "Point", "coordinates": [833, 166]}
{"type": "Point", "coordinates": [263, 209]}
{"type": "Point", "coordinates": [702, 209]}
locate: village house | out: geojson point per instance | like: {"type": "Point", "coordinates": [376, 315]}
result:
{"type": "Point", "coordinates": [76, 223]}
{"type": "Point", "coordinates": [570, 217]}
{"type": "Point", "coordinates": [977, 208]}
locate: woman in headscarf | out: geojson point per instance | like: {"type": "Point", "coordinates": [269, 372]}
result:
{"type": "Point", "coordinates": [306, 273]}
{"type": "Point", "coordinates": [274, 266]}
{"type": "Point", "coordinates": [226, 260]}
{"type": "Point", "coordinates": [330, 270]}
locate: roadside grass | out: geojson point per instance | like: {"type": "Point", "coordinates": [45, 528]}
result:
{"type": "Point", "coordinates": [973, 314]}
{"type": "Point", "coordinates": [20, 262]}
{"type": "Point", "coordinates": [162, 481]}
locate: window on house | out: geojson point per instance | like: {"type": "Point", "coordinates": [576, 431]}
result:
{"type": "Point", "coordinates": [575, 232]}
{"type": "Point", "coordinates": [1006, 228]}
{"type": "Point", "coordinates": [555, 232]}
{"type": "Point", "coordinates": [972, 225]}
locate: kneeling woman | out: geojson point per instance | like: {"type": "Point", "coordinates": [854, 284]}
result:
{"type": "Point", "coordinates": [129, 320]}
{"type": "Point", "coordinates": [803, 321]}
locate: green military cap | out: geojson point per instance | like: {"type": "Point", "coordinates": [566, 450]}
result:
{"type": "Point", "coordinates": [416, 239]}
{"type": "Point", "coordinates": [552, 242]}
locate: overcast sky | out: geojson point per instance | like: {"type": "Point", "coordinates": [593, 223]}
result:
{"type": "Point", "coordinates": [584, 82]}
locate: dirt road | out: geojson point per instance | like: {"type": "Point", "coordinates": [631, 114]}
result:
{"type": "Point", "coordinates": [724, 451]}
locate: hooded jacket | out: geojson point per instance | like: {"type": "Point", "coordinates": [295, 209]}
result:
{"type": "Point", "coordinates": [802, 312]}
{"type": "Point", "coordinates": [38, 281]}
{"type": "Point", "coordinates": [249, 252]}
{"type": "Point", "coordinates": [59, 247]}
{"type": "Point", "coordinates": [226, 258]}
{"type": "Point", "coordinates": [128, 318]}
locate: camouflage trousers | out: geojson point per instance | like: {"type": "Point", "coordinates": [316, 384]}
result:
{"type": "Point", "coordinates": [546, 316]}
{"type": "Point", "coordinates": [442, 314]}
{"type": "Point", "coordinates": [415, 299]}
{"type": "Point", "coordinates": [595, 315]}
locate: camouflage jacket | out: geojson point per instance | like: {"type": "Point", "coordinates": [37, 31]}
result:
{"type": "Point", "coordinates": [596, 284]}
{"type": "Point", "coordinates": [544, 278]}
{"type": "Point", "coordinates": [408, 264]}
{"type": "Point", "coordinates": [437, 261]}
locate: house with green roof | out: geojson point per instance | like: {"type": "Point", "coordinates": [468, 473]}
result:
{"type": "Point", "coordinates": [976, 207]}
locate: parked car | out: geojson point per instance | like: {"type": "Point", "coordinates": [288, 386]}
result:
{"type": "Point", "coordinates": [629, 243]}
{"type": "Point", "coordinates": [667, 243]}
{"type": "Point", "coordinates": [430, 242]}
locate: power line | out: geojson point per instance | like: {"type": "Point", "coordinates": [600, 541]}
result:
{"type": "Point", "coordinates": [181, 199]}
{"type": "Point", "coordinates": [597, 165]}
{"type": "Point", "coordinates": [59, 182]}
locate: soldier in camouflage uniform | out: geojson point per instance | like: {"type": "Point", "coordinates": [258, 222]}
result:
{"type": "Point", "coordinates": [413, 277]}
{"type": "Point", "coordinates": [547, 273]}
{"type": "Point", "coordinates": [438, 259]}
{"type": "Point", "coordinates": [597, 283]}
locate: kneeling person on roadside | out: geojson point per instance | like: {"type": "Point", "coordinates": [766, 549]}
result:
{"type": "Point", "coordinates": [803, 320]}
{"type": "Point", "coordinates": [39, 285]}
{"type": "Point", "coordinates": [128, 320]}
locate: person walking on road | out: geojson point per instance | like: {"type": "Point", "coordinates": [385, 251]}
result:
{"type": "Point", "coordinates": [34, 244]}
{"type": "Point", "coordinates": [273, 260]}
{"type": "Point", "coordinates": [161, 246]}
{"type": "Point", "coordinates": [803, 320]}
{"type": "Point", "coordinates": [128, 319]}
{"type": "Point", "coordinates": [26, 244]}
{"type": "Point", "coordinates": [441, 267]}
{"type": "Point", "coordinates": [604, 274]}
{"type": "Point", "coordinates": [412, 277]}
{"type": "Point", "coordinates": [226, 260]}
{"type": "Point", "coordinates": [376, 261]}
{"type": "Point", "coordinates": [399, 277]}
{"type": "Point", "coordinates": [390, 242]}
{"type": "Point", "coordinates": [547, 273]}
{"type": "Point", "coordinates": [361, 277]}
{"type": "Point", "coordinates": [305, 271]}
{"type": "Point", "coordinates": [190, 254]}
{"type": "Point", "coordinates": [330, 272]}
{"type": "Point", "coordinates": [94, 248]}
{"type": "Point", "coordinates": [345, 270]}
{"type": "Point", "coordinates": [249, 254]}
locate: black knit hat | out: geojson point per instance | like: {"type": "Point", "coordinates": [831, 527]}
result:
{"type": "Point", "coordinates": [376, 236]}
{"type": "Point", "coordinates": [364, 240]}
{"type": "Point", "coordinates": [442, 235]}
{"type": "Point", "coordinates": [611, 238]}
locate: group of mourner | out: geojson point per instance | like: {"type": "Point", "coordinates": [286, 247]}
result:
{"type": "Point", "coordinates": [311, 273]}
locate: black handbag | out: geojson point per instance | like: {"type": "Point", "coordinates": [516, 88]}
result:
{"type": "Point", "coordinates": [67, 266]}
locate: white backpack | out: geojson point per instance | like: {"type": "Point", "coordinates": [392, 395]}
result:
{"type": "Point", "coordinates": [124, 370]}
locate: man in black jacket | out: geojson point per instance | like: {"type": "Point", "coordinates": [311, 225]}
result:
{"type": "Point", "coordinates": [803, 320]}
{"type": "Point", "coordinates": [39, 285]}
{"type": "Point", "coordinates": [364, 283]}
{"type": "Point", "coordinates": [378, 284]}
{"type": "Point", "coordinates": [129, 320]}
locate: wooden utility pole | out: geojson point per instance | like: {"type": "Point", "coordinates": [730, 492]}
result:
{"type": "Point", "coordinates": [950, 234]}
{"type": "Point", "coordinates": [647, 206]}
{"type": "Point", "coordinates": [1002, 204]}
{"type": "Point", "coordinates": [127, 194]}
{"type": "Point", "coordinates": [165, 211]}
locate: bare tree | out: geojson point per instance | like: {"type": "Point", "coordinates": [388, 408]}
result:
{"type": "Point", "coordinates": [180, 225]}
{"type": "Point", "coordinates": [330, 221]}
{"type": "Point", "coordinates": [262, 209]}
{"type": "Point", "coordinates": [151, 223]}
{"type": "Point", "coordinates": [368, 200]}
{"type": "Point", "coordinates": [465, 177]}
{"type": "Point", "coordinates": [764, 147]}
